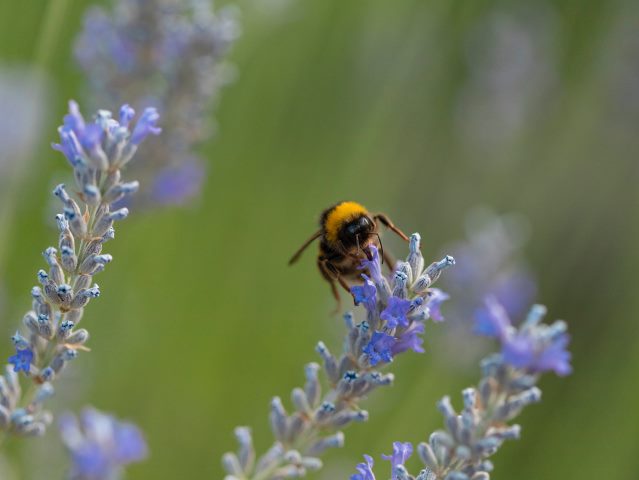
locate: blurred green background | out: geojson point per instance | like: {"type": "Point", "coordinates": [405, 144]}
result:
{"type": "Point", "coordinates": [422, 109]}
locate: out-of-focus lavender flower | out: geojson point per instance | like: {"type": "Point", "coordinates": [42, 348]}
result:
{"type": "Point", "coordinates": [491, 263]}
{"type": "Point", "coordinates": [508, 384]}
{"type": "Point", "coordinates": [171, 54]}
{"type": "Point", "coordinates": [99, 445]}
{"type": "Point", "coordinates": [534, 347]}
{"type": "Point", "coordinates": [396, 310]}
{"type": "Point", "coordinates": [96, 149]}
{"type": "Point", "coordinates": [511, 74]}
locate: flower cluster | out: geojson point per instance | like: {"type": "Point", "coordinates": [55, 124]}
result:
{"type": "Point", "coordinates": [96, 150]}
{"type": "Point", "coordinates": [169, 53]}
{"type": "Point", "coordinates": [508, 384]}
{"type": "Point", "coordinates": [396, 311]}
{"type": "Point", "coordinates": [99, 445]}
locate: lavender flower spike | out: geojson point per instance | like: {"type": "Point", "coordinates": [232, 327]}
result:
{"type": "Point", "coordinates": [508, 384]}
{"type": "Point", "coordinates": [99, 445]}
{"type": "Point", "coordinates": [96, 149]}
{"type": "Point", "coordinates": [170, 53]}
{"type": "Point", "coordinates": [395, 310]}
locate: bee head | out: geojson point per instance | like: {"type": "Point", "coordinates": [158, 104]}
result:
{"type": "Point", "coordinates": [357, 231]}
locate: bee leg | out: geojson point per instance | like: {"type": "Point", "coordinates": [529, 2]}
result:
{"type": "Point", "coordinates": [390, 225]}
{"type": "Point", "coordinates": [334, 274]}
{"type": "Point", "coordinates": [329, 278]}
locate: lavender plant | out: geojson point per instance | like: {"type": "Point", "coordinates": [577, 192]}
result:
{"type": "Point", "coordinates": [396, 311]}
{"type": "Point", "coordinates": [168, 53]}
{"type": "Point", "coordinates": [97, 151]}
{"type": "Point", "coordinates": [508, 384]}
{"type": "Point", "coordinates": [99, 445]}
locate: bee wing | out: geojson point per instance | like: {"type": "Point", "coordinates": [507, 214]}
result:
{"type": "Point", "coordinates": [297, 254]}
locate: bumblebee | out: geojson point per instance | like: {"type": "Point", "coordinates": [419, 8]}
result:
{"type": "Point", "coordinates": [347, 230]}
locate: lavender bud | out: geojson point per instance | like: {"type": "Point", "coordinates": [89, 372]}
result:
{"type": "Point", "coordinates": [64, 329]}
{"type": "Point", "coordinates": [30, 320]}
{"type": "Point", "coordinates": [20, 342]}
{"type": "Point", "coordinates": [415, 258]}
{"type": "Point", "coordinates": [74, 315]}
{"type": "Point", "coordinates": [329, 362]}
{"type": "Point", "coordinates": [63, 224]}
{"type": "Point", "coordinates": [456, 476]}
{"type": "Point", "coordinates": [300, 400]}
{"type": "Point", "coordinates": [278, 418]}
{"type": "Point", "coordinates": [325, 410]}
{"type": "Point", "coordinates": [344, 418]}
{"type": "Point", "coordinates": [45, 327]}
{"type": "Point", "coordinates": [79, 337]}
{"type": "Point", "coordinates": [69, 259]}
{"type": "Point", "coordinates": [470, 397]}
{"type": "Point", "coordinates": [295, 426]}
{"type": "Point", "coordinates": [440, 438]}
{"type": "Point", "coordinates": [65, 293]}
{"type": "Point", "coordinates": [231, 464]}
{"type": "Point", "coordinates": [56, 274]}
{"type": "Point", "coordinates": [332, 441]}
{"type": "Point", "coordinates": [400, 473]}
{"type": "Point", "coordinates": [47, 374]}
{"type": "Point", "coordinates": [400, 280]}
{"type": "Point", "coordinates": [82, 282]}
{"type": "Point", "coordinates": [312, 387]}
{"type": "Point", "coordinates": [247, 452]}
{"type": "Point", "coordinates": [270, 458]}
{"type": "Point", "coordinates": [119, 191]}
{"type": "Point", "coordinates": [427, 455]}
{"type": "Point", "coordinates": [45, 392]}
{"type": "Point", "coordinates": [91, 194]}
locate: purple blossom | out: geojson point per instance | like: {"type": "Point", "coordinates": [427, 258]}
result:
{"type": "Point", "coordinates": [365, 470]}
{"type": "Point", "coordinates": [100, 445]}
{"type": "Point", "coordinates": [529, 348]}
{"type": "Point", "coordinates": [22, 359]}
{"type": "Point", "coordinates": [379, 348]}
{"type": "Point", "coordinates": [410, 339]}
{"type": "Point", "coordinates": [437, 297]}
{"type": "Point", "coordinates": [492, 320]}
{"type": "Point", "coordinates": [401, 453]}
{"type": "Point", "coordinates": [522, 351]}
{"type": "Point", "coordinates": [373, 265]}
{"type": "Point", "coordinates": [395, 312]}
{"type": "Point", "coordinates": [146, 126]}
{"type": "Point", "coordinates": [365, 294]}
{"type": "Point", "coordinates": [555, 357]}
{"type": "Point", "coordinates": [126, 115]}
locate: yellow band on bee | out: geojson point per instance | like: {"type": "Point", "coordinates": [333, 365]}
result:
{"type": "Point", "coordinates": [342, 213]}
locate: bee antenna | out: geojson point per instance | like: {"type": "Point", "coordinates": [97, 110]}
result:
{"type": "Point", "coordinates": [357, 240]}
{"type": "Point", "coordinates": [381, 247]}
